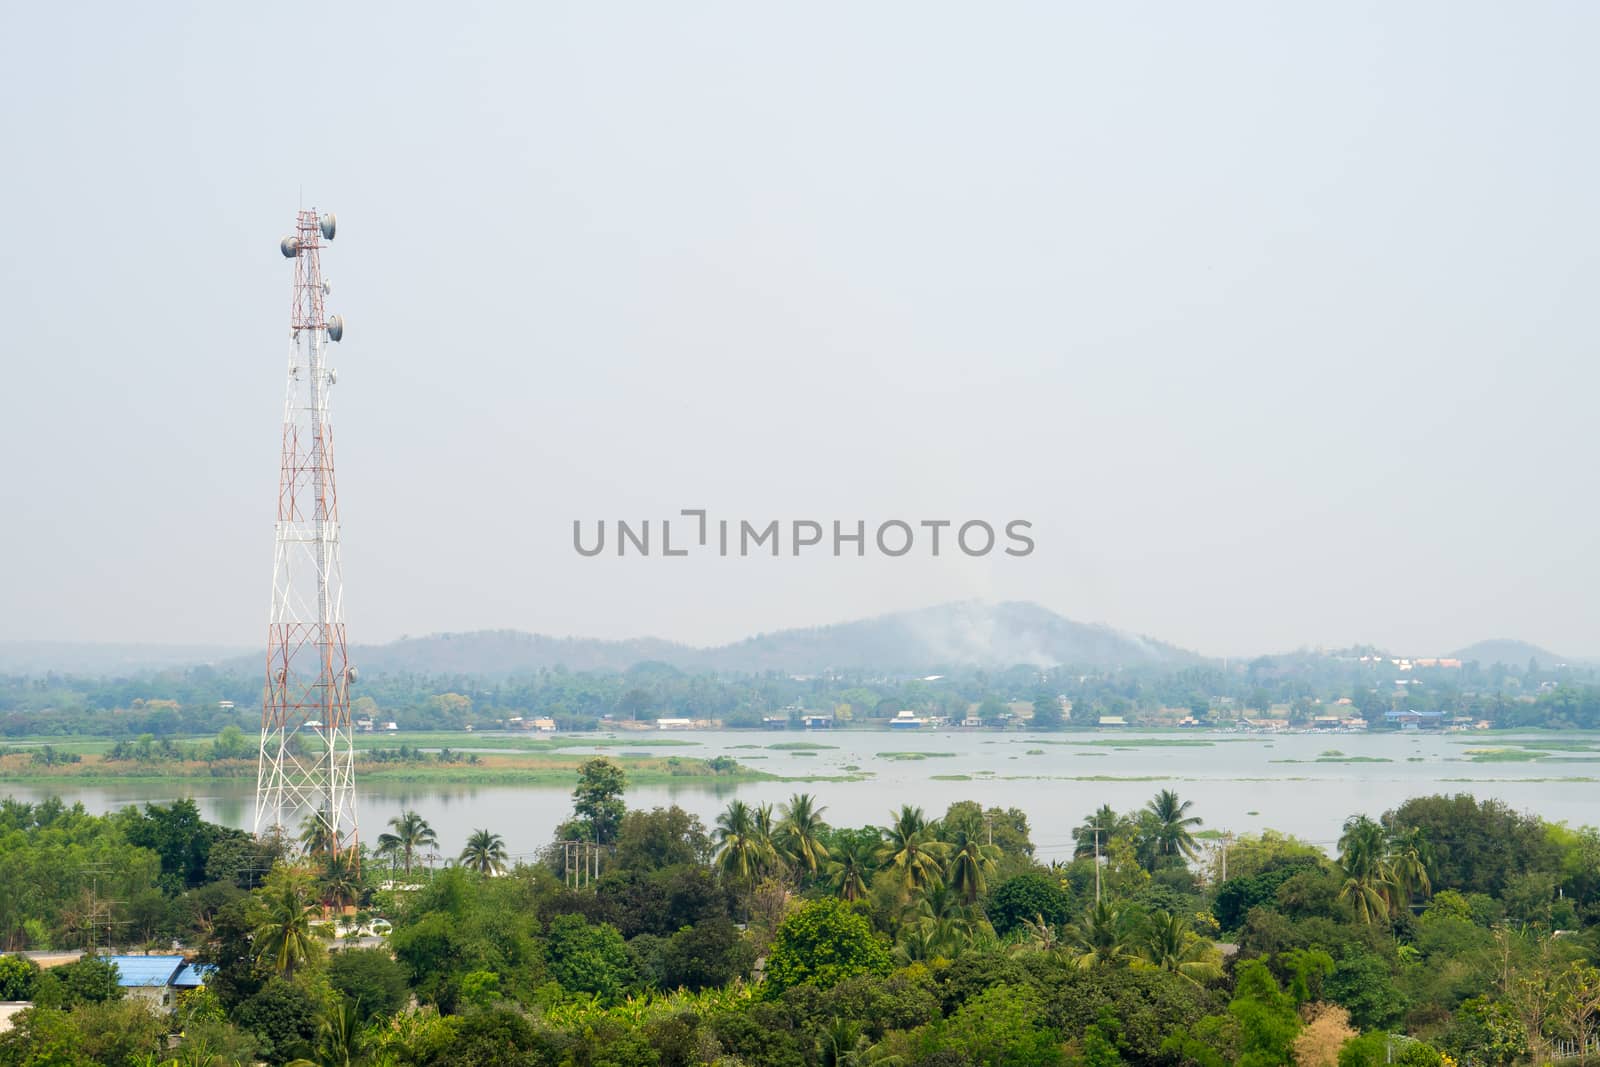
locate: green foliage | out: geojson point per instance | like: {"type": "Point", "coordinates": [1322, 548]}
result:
{"type": "Point", "coordinates": [1032, 895]}
{"type": "Point", "coordinates": [282, 1017]}
{"type": "Point", "coordinates": [823, 942]}
{"type": "Point", "coordinates": [1000, 1027]}
{"type": "Point", "coordinates": [18, 976]}
{"type": "Point", "coordinates": [370, 978]}
{"type": "Point", "coordinates": [88, 980]}
{"type": "Point", "coordinates": [597, 800]}
{"type": "Point", "coordinates": [588, 958]}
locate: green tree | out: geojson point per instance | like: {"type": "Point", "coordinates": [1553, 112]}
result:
{"type": "Point", "coordinates": [1167, 941]}
{"type": "Point", "coordinates": [588, 957]}
{"type": "Point", "coordinates": [1028, 896]}
{"type": "Point", "coordinates": [1170, 822]}
{"type": "Point", "coordinates": [485, 853]}
{"type": "Point", "coordinates": [1266, 1016]}
{"type": "Point", "coordinates": [597, 800]}
{"type": "Point", "coordinates": [799, 835]}
{"type": "Point", "coordinates": [284, 913]}
{"type": "Point", "coordinates": [970, 863]}
{"type": "Point", "coordinates": [912, 849]}
{"type": "Point", "coordinates": [851, 867]}
{"type": "Point", "coordinates": [1047, 713]}
{"type": "Point", "coordinates": [823, 942]}
{"type": "Point", "coordinates": [744, 853]}
{"type": "Point", "coordinates": [370, 978]}
{"type": "Point", "coordinates": [1368, 882]}
{"type": "Point", "coordinates": [18, 975]}
{"type": "Point", "coordinates": [408, 833]}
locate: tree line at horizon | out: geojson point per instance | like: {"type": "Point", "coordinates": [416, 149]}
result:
{"type": "Point", "coordinates": [172, 704]}
{"type": "Point", "coordinates": [1446, 930]}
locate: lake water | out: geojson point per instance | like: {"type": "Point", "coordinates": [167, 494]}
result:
{"type": "Point", "coordinates": [1238, 782]}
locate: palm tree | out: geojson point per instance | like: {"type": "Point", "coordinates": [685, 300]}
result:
{"type": "Point", "coordinates": [339, 1041]}
{"type": "Point", "coordinates": [1368, 882]}
{"type": "Point", "coordinates": [799, 834]}
{"type": "Point", "coordinates": [971, 863]}
{"type": "Point", "coordinates": [1037, 936]}
{"type": "Point", "coordinates": [1103, 937]}
{"type": "Point", "coordinates": [946, 920]}
{"type": "Point", "coordinates": [743, 852]}
{"type": "Point", "coordinates": [1106, 822]}
{"type": "Point", "coordinates": [1409, 856]}
{"type": "Point", "coordinates": [341, 879]}
{"type": "Point", "coordinates": [284, 913]}
{"type": "Point", "coordinates": [411, 833]}
{"type": "Point", "coordinates": [911, 847]}
{"type": "Point", "coordinates": [1167, 942]}
{"type": "Point", "coordinates": [316, 833]}
{"type": "Point", "coordinates": [485, 853]}
{"type": "Point", "coordinates": [1170, 821]}
{"type": "Point", "coordinates": [849, 872]}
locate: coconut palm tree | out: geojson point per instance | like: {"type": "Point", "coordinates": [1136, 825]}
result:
{"type": "Point", "coordinates": [485, 853]}
{"type": "Point", "coordinates": [339, 1041]}
{"type": "Point", "coordinates": [316, 833]}
{"type": "Point", "coordinates": [1409, 856]}
{"type": "Point", "coordinates": [1108, 824]}
{"type": "Point", "coordinates": [851, 868]}
{"type": "Point", "coordinates": [340, 879]}
{"type": "Point", "coordinates": [1167, 942]}
{"type": "Point", "coordinates": [799, 834]}
{"type": "Point", "coordinates": [948, 921]}
{"type": "Point", "coordinates": [1169, 821]}
{"type": "Point", "coordinates": [743, 851]}
{"type": "Point", "coordinates": [1104, 937]}
{"type": "Point", "coordinates": [912, 848]}
{"type": "Point", "coordinates": [970, 864]}
{"type": "Point", "coordinates": [284, 914]}
{"type": "Point", "coordinates": [1368, 881]}
{"type": "Point", "coordinates": [411, 833]}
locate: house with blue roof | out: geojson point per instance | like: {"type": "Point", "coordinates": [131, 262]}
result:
{"type": "Point", "coordinates": [157, 980]}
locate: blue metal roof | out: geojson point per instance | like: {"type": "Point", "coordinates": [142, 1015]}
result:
{"type": "Point", "coordinates": [145, 970]}
{"type": "Point", "coordinates": [192, 975]}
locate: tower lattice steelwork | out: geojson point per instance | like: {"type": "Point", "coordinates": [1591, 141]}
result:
{"type": "Point", "coordinates": [307, 762]}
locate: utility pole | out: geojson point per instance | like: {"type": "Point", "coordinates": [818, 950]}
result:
{"type": "Point", "coordinates": [1097, 865]}
{"type": "Point", "coordinates": [1227, 839]}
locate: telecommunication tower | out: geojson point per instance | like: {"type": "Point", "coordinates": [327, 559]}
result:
{"type": "Point", "coordinates": [307, 763]}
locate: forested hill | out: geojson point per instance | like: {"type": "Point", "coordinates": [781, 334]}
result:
{"type": "Point", "coordinates": [969, 634]}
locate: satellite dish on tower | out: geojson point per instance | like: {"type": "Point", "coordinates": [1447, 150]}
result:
{"type": "Point", "coordinates": [290, 247]}
{"type": "Point", "coordinates": [335, 327]}
{"type": "Point", "coordinates": [330, 225]}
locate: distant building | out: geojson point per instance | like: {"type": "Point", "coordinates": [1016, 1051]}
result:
{"type": "Point", "coordinates": [544, 726]}
{"type": "Point", "coordinates": [674, 724]}
{"type": "Point", "coordinates": [906, 720]}
{"type": "Point", "coordinates": [156, 981]}
{"type": "Point", "coordinates": [817, 720]}
{"type": "Point", "coordinates": [1113, 720]}
{"type": "Point", "coordinates": [971, 721]}
{"type": "Point", "coordinates": [775, 722]}
{"type": "Point", "coordinates": [1189, 722]}
{"type": "Point", "coordinates": [1415, 720]}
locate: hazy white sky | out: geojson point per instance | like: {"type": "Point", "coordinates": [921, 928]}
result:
{"type": "Point", "coordinates": [1277, 321]}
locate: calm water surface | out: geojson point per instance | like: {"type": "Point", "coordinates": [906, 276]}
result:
{"type": "Point", "coordinates": [1238, 782]}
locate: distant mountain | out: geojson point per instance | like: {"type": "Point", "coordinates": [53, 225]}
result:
{"type": "Point", "coordinates": [966, 634]}
{"type": "Point", "coordinates": [66, 657]}
{"type": "Point", "coordinates": [1511, 653]}
{"type": "Point", "coordinates": [970, 634]}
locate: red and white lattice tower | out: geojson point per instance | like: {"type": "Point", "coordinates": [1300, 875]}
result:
{"type": "Point", "coordinates": [307, 765]}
